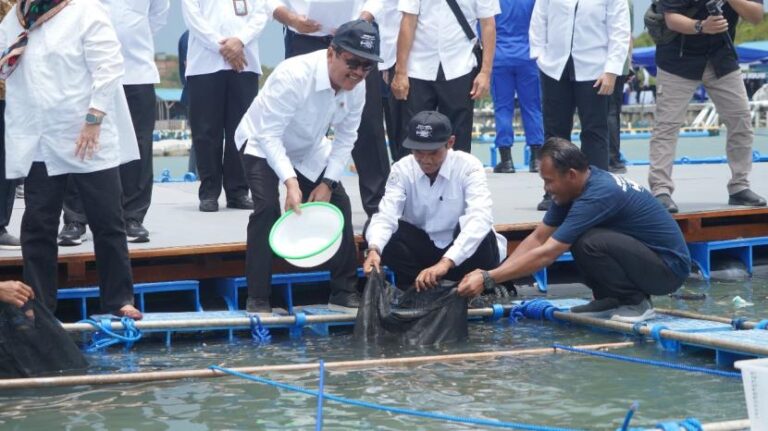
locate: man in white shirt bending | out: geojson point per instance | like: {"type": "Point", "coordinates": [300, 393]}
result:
{"type": "Point", "coordinates": [283, 135]}
{"type": "Point", "coordinates": [135, 22]}
{"type": "Point", "coordinates": [222, 80]}
{"type": "Point", "coordinates": [435, 219]}
{"type": "Point", "coordinates": [436, 63]}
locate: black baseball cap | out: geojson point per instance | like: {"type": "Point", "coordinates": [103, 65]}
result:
{"type": "Point", "coordinates": [428, 130]}
{"type": "Point", "coordinates": [360, 38]}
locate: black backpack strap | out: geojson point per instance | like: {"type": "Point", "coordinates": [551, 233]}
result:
{"type": "Point", "coordinates": [461, 19]}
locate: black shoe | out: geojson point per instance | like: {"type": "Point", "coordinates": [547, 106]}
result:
{"type": "Point", "coordinates": [209, 206]}
{"type": "Point", "coordinates": [599, 308]}
{"type": "Point", "coordinates": [747, 198]}
{"type": "Point", "coordinates": [71, 234]}
{"type": "Point", "coordinates": [617, 168]}
{"type": "Point", "coordinates": [545, 203]}
{"type": "Point", "coordinates": [8, 241]}
{"type": "Point", "coordinates": [258, 305]}
{"type": "Point", "coordinates": [505, 167]}
{"type": "Point", "coordinates": [666, 201]}
{"type": "Point", "coordinates": [20, 191]}
{"type": "Point", "coordinates": [344, 301]}
{"type": "Point", "coordinates": [533, 158]}
{"type": "Point", "coordinates": [240, 203]}
{"type": "Point", "coordinates": [135, 231]}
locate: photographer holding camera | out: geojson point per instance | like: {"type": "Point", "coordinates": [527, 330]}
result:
{"type": "Point", "coordinates": [703, 53]}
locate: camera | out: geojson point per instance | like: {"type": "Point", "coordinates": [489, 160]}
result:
{"type": "Point", "coordinates": [715, 7]}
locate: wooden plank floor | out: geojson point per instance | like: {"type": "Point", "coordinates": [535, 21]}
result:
{"type": "Point", "coordinates": [186, 243]}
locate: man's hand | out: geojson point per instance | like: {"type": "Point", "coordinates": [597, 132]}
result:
{"type": "Point", "coordinates": [231, 49]}
{"type": "Point", "coordinates": [429, 277]}
{"type": "Point", "coordinates": [472, 284]}
{"type": "Point", "coordinates": [400, 86]}
{"type": "Point", "coordinates": [714, 24]}
{"type": "Point", "coordinates": [87, 143]}
{"type": "Point", "coordinates": [372, 262]}
{"type": "Point", "coordinates": [293, 195]}
{"type": "Point", "coordinates": [321, 193]}
{"type": "Point", "coordinates": [15, 293]}
{"type": "Point", "coordinates": [605, 84]}
{"type": "Point", "coordinates": [302, 24]}
{"type": "Point", "coordinates": [481, 85]}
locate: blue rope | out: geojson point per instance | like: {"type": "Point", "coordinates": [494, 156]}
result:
{"type": "Point", "coordinates": [738, 323]}
{"type": "Point", "coordinates": [632, 409]}
{"type": "Point", "coordinates": [396, 410]}
{"type": "Point", "coordinates": [538, 309]}
{"type": "Point", "coordinates": [763, 324]}
{"type": "Point", "coordinates": [106, 337]}
{"type": "Point", "coordinates": [649, 362]}
{"type": "Point", "coordinates": [259, 333]}
{"type": "Point", "coordinates": [320, 389]}
{"type": "Point", "coordinates": [669, 345]}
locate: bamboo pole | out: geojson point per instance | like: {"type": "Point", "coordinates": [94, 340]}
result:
{"type": "Point", "coordinates": [700, 339]}
{"type": "Point", "coordinates": [103, 379]}
{"type": "Point", "coordinates": [699, 316]}
{"type": "Point", "coordinates": [736, 425]}
{"type": "Point", "coordinates": [238, 322]}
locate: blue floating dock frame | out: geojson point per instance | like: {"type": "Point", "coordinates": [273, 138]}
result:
{"type": "Point", "coordinates": [541, 275]}
{"type": "Point", "coordinates": [82, 294]}
{"type": "Point", "coordinates": [741, 248]}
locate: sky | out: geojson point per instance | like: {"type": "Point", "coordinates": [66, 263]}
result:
{"type": "Point", "coordinates": [271, 40]}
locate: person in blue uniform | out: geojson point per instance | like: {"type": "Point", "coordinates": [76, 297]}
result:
{"type": "Point", "coordinates": [515, 73]}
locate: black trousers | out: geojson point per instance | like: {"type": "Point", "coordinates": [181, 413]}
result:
{"type": "Point", "coordinates": [217, 103]}
{"type": "Point", "coordinates": [7, 187]}
{"type": "Point", "coordinates": [615, 265]}
{"type": "Point", "coordinates": [264, 185]}
{"type": "Point", "coordinates": [100, 193]}
{"type": "Point", "coordinates": [450, 98]}
{"type": "Point", "coordinates": [561, 98]}
{"type": "Point", "coordinates": [370, 150]}
{"type": "Point", "coordinates": [615, 101]}
{"type": "Point", "coordinates": [410, 250]}
{"type": "Point", "coordinates": [396, 119]}
{"type": "Point", "coordinates": [136, 176]}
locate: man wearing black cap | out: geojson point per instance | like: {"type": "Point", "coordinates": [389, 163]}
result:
{"type": "Point", "coordinates": [283, 140]}
{"type": "Point", "coordinates": [435, 219]}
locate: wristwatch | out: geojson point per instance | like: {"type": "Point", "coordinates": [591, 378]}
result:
{"type": "Point", "coordinates": [330, 183]}
{"type": "Point", "coordinates": [93, 118]}
{"type": "Point", "coordinates": [488, 283]}
{"type": "Point", "coordinates": [698, 27]}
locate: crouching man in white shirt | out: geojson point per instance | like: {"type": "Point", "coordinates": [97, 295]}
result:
{"type": "Point", "coordinates": [435, 220]}
{"type": "Point", "coordinates": [283, 133]}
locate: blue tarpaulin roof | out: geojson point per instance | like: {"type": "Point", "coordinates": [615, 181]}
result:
{"type": "Point", "coordinates": [168, 94]}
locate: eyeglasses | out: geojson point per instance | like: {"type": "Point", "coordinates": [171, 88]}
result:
{"type": "Point", "coordinates": [354, 64]}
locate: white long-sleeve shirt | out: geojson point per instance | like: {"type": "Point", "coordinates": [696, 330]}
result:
{"type": "Point", "coordinates": [210, 22]}
{"type": "Point", "coordinates": [459, 195]}
{"type": "Point", "coordinates": [595, 32]}
{"type": "Point", "coordinates": [301, 7]}
{"type": "Point", "coordinates": [389, 28]}
{"type": "Point", "coordinates": [287, 122]}
{"type": "Point", "coordinates": [71, 63]}
{"type": "Point", "coordinates": [439, 38]}
{"type": "Point", "coordinates": [135, 22]}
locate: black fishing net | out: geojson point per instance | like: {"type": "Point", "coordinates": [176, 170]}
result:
{"type": "Point", "coordinates": [389, 315]}
{"type": "Point", "coordinates": [33, 343]}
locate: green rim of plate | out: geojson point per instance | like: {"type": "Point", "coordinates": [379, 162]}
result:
{"type": "Point", "coordinates": [289, 213]}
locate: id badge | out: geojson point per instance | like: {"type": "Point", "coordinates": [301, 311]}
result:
{"type": "Point", "coordinates": [241, 7]}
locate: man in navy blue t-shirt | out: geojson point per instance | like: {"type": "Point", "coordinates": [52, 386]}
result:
{"type": "Point", "coordinates": [625, 243]}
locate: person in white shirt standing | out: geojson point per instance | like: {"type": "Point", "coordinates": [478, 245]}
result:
{"type": "Point", "coordinates": [580, 47]}
{"type": "Point", "coordinates": [283, 133]}
{"type": "Point", "coordinates": [222, 80]}
{"type": "Point", "coordinates": [436, 64]}
{"type": "Point", "coordinates": [435, 220]}
{"type": "Point", "coordinates": [304, 35]}
{"type": "Point", "coordinates": [67, 118]}
{"type": "Point", "coordinates": [135, 22]}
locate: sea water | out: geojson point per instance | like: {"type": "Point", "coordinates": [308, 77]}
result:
{"type": "Point", "coordinates": [564, 390]}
